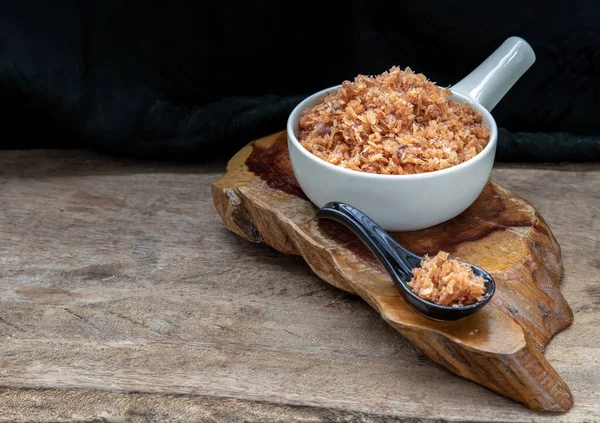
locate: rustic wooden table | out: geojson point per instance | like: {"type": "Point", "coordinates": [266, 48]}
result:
{"type": "Point", "coordinates": [124, 298]}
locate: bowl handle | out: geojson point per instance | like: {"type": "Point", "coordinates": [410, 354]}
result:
{"type": "Point", "coordinates": [492, 79]}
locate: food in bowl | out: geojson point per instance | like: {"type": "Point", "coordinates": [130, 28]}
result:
{"type": "Point", "coordinates": [396, 123]}
{"type": "Point", "coordinates": [447, 282]}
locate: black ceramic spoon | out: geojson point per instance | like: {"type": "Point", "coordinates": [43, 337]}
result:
{"type": "Point", "coordinates": [399, 262]}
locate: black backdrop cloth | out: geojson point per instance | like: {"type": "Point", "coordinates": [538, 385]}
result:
{"type": "Point", "coordinates": [184, 79]}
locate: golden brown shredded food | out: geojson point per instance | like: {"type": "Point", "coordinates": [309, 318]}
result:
{"type": "Point", "coordinates": [447, 282]}
{"type": "Point", "coordinates": [396, 123]}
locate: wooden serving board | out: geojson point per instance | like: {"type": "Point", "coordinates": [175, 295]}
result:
{"type": "Point", "coordinates": [499, 347]}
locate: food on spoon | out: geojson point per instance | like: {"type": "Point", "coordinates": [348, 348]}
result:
{"type": "Point", "coordinates": [396, 123]}
{"type": "Point", "coordinates": [447, 282]}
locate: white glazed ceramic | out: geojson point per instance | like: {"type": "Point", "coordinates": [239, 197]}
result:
{"type": "Point", "coordinates": [411, 202]}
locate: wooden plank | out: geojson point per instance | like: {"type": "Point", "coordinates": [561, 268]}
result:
{"type": "Point", "coordinates": [51, 405]}
{"type": "Point", "coordinates": [119, 276]}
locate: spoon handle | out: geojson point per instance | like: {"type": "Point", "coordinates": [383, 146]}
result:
{"type": "Point", "coordinates": [398, 261]}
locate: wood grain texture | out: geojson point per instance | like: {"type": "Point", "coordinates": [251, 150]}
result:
{"type": "Point", "coordinates": [123, 298]}
{"type": "Point", "coordinates": [499, 347]}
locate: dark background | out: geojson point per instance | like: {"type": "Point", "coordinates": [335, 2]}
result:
{"type": "Point", "coordinates": [189, 80]}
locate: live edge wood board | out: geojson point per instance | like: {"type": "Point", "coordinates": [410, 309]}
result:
{"type": "Point", "coordinates": [500, 347]}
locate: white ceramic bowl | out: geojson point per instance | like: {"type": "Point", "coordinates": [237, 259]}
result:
{"type": "Point", "coordinates": [411, 202]}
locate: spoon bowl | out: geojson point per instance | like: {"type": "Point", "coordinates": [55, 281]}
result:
{"type": "Point", "coordinates": [399, 262]}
